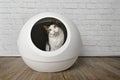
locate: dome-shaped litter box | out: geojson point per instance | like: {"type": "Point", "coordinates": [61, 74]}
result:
{"type": "Point", "coordinates": [49, 42]}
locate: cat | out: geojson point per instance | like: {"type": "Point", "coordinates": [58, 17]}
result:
{"type": "Point", "coordinates": [56, 37]}
{"type": "Point", "coordinates": [48, 36]}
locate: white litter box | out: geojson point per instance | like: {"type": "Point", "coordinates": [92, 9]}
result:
{"type": "Point", "coordinates": [49, 61]}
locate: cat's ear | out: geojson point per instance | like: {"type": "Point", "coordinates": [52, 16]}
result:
{"type": "Point", "coordinates": [54, 21]}
{"type": "Point", "coordinates": [46, 28]}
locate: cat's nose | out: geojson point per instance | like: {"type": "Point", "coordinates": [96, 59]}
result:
{"type": "Point", "coordinates": [52, 32]}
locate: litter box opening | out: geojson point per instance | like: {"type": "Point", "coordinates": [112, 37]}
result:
{"type": "Point", "coordinates": [40, 34]}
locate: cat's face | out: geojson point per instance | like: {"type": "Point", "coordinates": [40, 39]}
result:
{"type": "Point", "coordinates": [53, 30]}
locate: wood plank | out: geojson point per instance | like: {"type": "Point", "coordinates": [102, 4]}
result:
{"type": "Point", "coordinates": [85, 68]}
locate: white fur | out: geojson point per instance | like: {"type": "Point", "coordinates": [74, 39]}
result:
{"type": "Point", "coordinates": [56, 38]}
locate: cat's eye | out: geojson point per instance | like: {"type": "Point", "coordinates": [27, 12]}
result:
{"type": "Point", "coordinates": [54, 26]}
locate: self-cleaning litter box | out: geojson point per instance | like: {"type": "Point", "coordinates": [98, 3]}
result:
{"type": "Point", "coordinates": [30, 47]}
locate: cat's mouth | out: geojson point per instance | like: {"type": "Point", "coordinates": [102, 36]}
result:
{"type": "Point", "coordinates": [55, 34]}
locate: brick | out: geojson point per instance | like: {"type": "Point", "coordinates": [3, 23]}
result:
{"type": "Point", "coordinates": [97, 20]}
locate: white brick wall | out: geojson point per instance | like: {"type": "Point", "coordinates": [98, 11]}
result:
{"type": "Point", "coordinates": [97, 20]}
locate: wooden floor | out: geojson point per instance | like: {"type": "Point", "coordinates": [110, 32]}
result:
{"type": "Point", "coordinates": [84, 69]}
